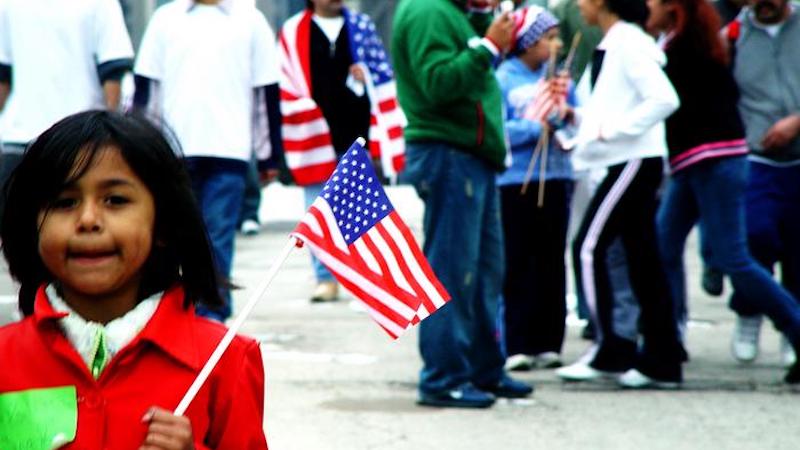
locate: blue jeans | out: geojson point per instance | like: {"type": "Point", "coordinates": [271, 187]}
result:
{"type": "Point", "coordinates": [773, 227]}
{"type": "Point", "coordinates": [218, 185]}
{"type": "Point", "coordinates": [464, 245]}
{"type": "Point", "coordinates": [251, 198]}
{"type": "Point", "coordinates": [713, 193]}
{"type": "Point", "coordinates": [321, 273]}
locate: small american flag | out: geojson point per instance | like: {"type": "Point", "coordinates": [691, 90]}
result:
{"type": "Point", "coordinates": [354, 230]}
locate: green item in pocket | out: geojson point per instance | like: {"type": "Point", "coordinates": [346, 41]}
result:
{"type": "Point", "coordinates": [38, 419]}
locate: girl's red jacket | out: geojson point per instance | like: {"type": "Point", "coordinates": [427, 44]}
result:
{"type": "Point", "coordinates": [155, 369]}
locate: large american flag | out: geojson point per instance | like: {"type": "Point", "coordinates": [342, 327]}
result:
{"type": "Point", "coordinates": [354, 230]}
{"type": "Point", "coordinates": [307, 142]}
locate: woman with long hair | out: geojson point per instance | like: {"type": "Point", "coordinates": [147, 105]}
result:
{"type": "Point", "coordinates": [707, 156]}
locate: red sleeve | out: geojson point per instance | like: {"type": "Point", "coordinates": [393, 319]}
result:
{"type": "Point", "coordinates": [238, 421]}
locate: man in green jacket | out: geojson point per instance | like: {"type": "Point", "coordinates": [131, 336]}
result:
{"type": "Point", "coordinates": [455, 145]}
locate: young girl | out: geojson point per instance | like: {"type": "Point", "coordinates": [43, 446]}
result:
{"type": "Point", "coordinates": [535, 238]}
{"type": "Point", "coordinates": [624, 99]}
{"type": "Point", "coordinates": [109, 247]}
{"type": "Point", "coordinates": [707, 154]}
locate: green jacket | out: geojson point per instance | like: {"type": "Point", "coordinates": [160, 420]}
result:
{"type": "Point", "coordinates": [445, 79]}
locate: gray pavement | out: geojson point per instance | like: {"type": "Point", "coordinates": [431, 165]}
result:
{"type": "Point", "coordinates": [334, 380]}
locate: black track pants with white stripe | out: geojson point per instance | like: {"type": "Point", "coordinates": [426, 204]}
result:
{"type": "Point", "coordinates": [625, 205]}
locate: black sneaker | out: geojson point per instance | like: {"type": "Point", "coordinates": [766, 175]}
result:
{"type": "Point", "coordinates": [712, 281]}
{"type": "Point", "coordinates": [463, 396]}
{"type": "Point", "coordinates": [508, 387]}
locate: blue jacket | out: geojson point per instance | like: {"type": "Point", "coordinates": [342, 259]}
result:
{"type": "Point", "coordinates": [517, 82]}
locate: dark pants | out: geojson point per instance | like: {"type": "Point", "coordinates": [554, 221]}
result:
{"type": "Point", "coordinates": [463, 243]}
{"type": "Point", "coordinates": [218, 185]}
{"type": "Point", "coordinates": [625, 206]}
{"type": "Point", "coordinates": [534, 290]}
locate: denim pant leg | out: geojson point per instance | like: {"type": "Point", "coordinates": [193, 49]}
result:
{"type": "Point", "coordinates": [251, 199]}
{"type": "Point", "coordinates": [462, 238]}
{"type": "Point", "coordinates": [625, 315]}
{"type": "Point", "coordinates": [762, 228]}
{"type": "Point", "coordinates": [218, 185]}
{"type": "Point", "coordinates": [321, 273]}
{"type": "Point", "coordinates": [676, 217]}
{"type": "Point", "coordinates": [720, 196]}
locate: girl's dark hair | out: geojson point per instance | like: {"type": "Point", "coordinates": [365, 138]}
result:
{"type": "Point", "coordinates": [181, 251]}
{"type": "Point", "coordinates": [698, 22]}
{"type": "Point", "coordinates": [633, 11]}
{"type": "Point", "coordinates": [309, 4]}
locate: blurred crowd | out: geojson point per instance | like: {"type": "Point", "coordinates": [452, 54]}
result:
{"type": "Point", "coordinates": [591, 134]}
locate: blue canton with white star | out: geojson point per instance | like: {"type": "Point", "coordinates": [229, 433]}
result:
{"type": "Point", "coordinates": [355, 195]}
{"type": "Point", "coordinates": [368, 48]}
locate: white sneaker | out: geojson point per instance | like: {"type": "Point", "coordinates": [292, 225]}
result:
{"type": "Point", "coordinates": [520, 362]}
{"type": "Point", "coordinates": [580, 371]}
{"type": "Point", "coordinates": [788, 357]}
{"type": "Point", "coordinates": [746, 332]}
{"type": "Point", "coordinates": [633, 379]}
{"type": "Point", "coordinates": [250, 227]}
{"type": "Point", "coordinates": [548, 360]}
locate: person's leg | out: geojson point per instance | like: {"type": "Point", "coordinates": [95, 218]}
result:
{"type": "Point", "coordinates": [720, 198]}
{"type": "Point", "coordinates": [661, 354]}
{"type": "Point", "coordinates": [485, 356]}
{"type": "Point", "coordinates": [761, 229]}
{"type": "Point", "coordinates": [451, 222]}
{"type": "Point", "coordinates": [625, 316]}
{"type": "Point", "coordinates": [519, 228]}
{"type": "Point", "coordinates": [327, 288]}
{"type": "Point", "coordinates": [219, 186]}
{"type": "Point", "coordinates": [599, 227]}
{"type": "Point", "coordinates": [790, 229]}
{"type": "Point", "coordinates": [675, 218]}
{"type": "Point", "coordinates": [547, 286]}
{"type": "Point", "coordinates": [251, 200]}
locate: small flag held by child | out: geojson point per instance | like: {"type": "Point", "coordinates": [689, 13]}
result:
{"type": "Point", "coordinates": [354, 230]}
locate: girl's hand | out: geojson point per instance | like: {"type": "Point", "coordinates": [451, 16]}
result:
{"type": "Point", "coordinates": [167, 431]}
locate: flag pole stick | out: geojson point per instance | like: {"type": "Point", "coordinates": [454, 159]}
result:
{"type": "Point", "coordinates": [234, 328]}
{"type": "Point", "coordinates": [531, 164]}
{"type": "Point", "coordinates": [543, 165]}
{"type": "Point", "coordinates": [572, 49]}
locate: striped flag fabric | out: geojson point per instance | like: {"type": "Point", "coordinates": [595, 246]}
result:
{"type": "Point", "coordinates": [354, 230]}
{"type": "Point", "coordinates": [307, 142]}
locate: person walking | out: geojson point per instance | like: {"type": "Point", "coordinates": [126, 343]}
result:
{"type": "Point", "coordinates": [621, 128]}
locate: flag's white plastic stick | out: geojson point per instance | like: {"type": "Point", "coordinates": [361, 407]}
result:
{"type": "Point", "coordinates": [226, 340]}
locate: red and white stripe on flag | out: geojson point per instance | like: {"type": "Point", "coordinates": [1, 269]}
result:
{"type": "Point", "coordinates": [353, 229]}
{"type": "Point", "coordinates": [307, 142]}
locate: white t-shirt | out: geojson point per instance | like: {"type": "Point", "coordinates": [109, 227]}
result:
{"type": "Point", "coordinates": [54, 48]}
{"type": "Point", "coordinates": [207, 60]}
{"type": "Point", "coordinates": [330, 26]}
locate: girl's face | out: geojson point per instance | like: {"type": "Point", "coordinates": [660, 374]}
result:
{"type": "Point", "coordinates": [660, 18]}
{"type": "Point", "coordinates": [539, 52]}
{"type": "Point", "coordinates": [97, 234]}
{"type": "Point", "coordinates": [589, 10]}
